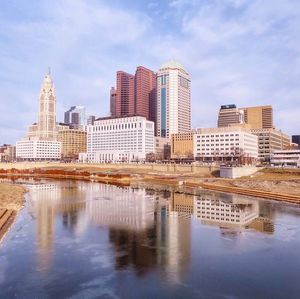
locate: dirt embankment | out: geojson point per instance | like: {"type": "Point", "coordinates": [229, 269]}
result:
{"type": "Point", "coordinates": [282, 181]}
{"type": "Point", "coordinates": [11, 201]}
{"type": "Point", "coordinates": [11, 196]}
{"type": "Point", "coordinates": [279, 184]}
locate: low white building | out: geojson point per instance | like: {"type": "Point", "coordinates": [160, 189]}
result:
{"type": "Point", "coordinates": [226, 144]}
{"type": "Point", "coordinates": [286, 158]}
{"type": "Point", "coordinates": [38, 149]}
{"type": "Point", "coordinates": [122, 139]}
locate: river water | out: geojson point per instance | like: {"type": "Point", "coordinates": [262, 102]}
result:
{"type": "Point", "coordinates": [89, 240]}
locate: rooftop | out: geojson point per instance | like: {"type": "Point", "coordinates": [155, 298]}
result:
{"type": "Point", "coordinates": [116, 117]}
{"type": "Point", "coordinates": [172, 64]}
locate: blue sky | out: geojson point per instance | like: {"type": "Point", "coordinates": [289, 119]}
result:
{"type": "Point", "coordinates": [245, 52]}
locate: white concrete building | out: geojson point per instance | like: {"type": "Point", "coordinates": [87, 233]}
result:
{"type": "Point", "coordinates": [37, 149]}
{"type": "Point", "coordinates": [120, 139]}
{"type": "Point", "coordinates": [173, 99]}
{"type": "Point", "coordinates": [225, 144]}
{"type": "Point", "coordinates": [286, 158]}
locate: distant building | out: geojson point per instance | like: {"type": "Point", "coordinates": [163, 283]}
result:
{"type": "Point", "coordinates": [113, 96]}
{"type": "Point", "coordinates": [260, 117]}
{"type": "Point", "coordinates": [122, 139]}
{"type": "Point", "coordinates": [90, 120]}
{"type": "Point", "coordinates": [124, 103]}
{"type": "Point", "coordinates": [73, 141]}
{"type": "Point", "coordinates": [270, 140]}
{"type": "Point", "coordinates": [173, 99]}
{"type": "Point", "coordinates": [286, 158]}
{"type": "Point", "coordinates": [134, 94]}
{"type": "Point", "coordinates": [145, 93]}
{"type": "Point", "coordinates": [296, 139]}
{"type": "Point", "coordinates": [76, 117]}
{"type": "Point", "coordinates": [41, 141]}
{"type": "Point", "coordinates": [230, 115]}
{"type": "Point", "coordinates": [47, 110]}
{"type": "Point", "coordinates": [228, 144]}
{"type": "Point", "coordinates": [38, 149]}
{"type": "Point", "coordinates": [182, 145]}
{"type": "Point", "coordinates": [162, 148]}
{"type": "Point", "coordinates": [7, 153]}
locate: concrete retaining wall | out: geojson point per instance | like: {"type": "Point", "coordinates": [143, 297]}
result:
{"type": "Point", "coordinates": [237, 172]}
{"type": "Point", "coordinates": [165, 168]}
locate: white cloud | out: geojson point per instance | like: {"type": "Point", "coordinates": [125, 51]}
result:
{"type": "Point", "coordinates": [243, 52]}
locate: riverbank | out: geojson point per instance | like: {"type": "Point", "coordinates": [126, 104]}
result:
{"type": "Point", "coordinates": [277, 184]}
{"type": "Point", "coordinates": [11, 201]}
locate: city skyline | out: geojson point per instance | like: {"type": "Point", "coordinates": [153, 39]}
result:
{"type": "Point", "coordinates": [208, 38]}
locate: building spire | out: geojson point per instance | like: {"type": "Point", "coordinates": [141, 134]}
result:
{"type": "Point", "coordinates": [49, 70]}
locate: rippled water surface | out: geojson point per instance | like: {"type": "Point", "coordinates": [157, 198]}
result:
{"type": "Point", "coordinates": [90, 240]}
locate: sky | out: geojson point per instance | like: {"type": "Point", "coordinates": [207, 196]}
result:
{"type": "Point", "coordinates": [243, 52]}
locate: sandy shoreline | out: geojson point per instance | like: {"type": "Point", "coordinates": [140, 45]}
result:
{"type": "Point", "coordinates": [11, 196]}
{"type": "Point", "coordinates": [11, 201]}
{"type": "Point", "coordinates": [277, 184]}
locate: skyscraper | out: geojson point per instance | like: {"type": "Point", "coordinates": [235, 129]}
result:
{"type": "Point", "coordinates": [230, 115]}
{"type": "Point", "coordinates": [173, 99]}
{"type": "Point", "coordinates": [134, 94]}
{"type": "Point", "coordinates": [125, 94]}
{"type": "Point", "coordinates": [260, 117]}
{"type": "Point", "coordinates": [76, 116]}
{"type": "Point", "coordinates": [46, 125]}
{"type": "Point", "coordinates": [41, 141]}
{"type": "Point", "coordinates": [113, 95]}
{"type": "Point", "coordinates": [145, 92]}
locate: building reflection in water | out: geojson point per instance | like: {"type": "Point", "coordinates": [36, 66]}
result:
{"type": "Point", "coordinates": [147, 230]}
{"type": "Point", "coordinates": [231, 211]}
{"type": "Point", "coordinates": [42, 196]}
{"type": "Point", "coordinates": [49, 201]}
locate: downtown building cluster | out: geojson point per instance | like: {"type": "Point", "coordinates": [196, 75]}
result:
{"type": "Point", "coordinates": [150, 120]}
{"type": "Point", "coordinates": [146, 109]}
{"type": "Point", "coordinates": [48, 139]}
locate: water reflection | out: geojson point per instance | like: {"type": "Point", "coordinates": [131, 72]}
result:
{"type": "Point", "coordinates": [146, 229]}
{"type": "Point", "coordinates": [87, 234]}
{"type": "Point", "coordinates": [230, 211]}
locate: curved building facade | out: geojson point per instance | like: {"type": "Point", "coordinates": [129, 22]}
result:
{"type": "Point", "coordinates": [173, 99]}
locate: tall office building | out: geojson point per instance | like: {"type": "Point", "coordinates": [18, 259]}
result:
{"type": "Point", "coordinates": [173, 99]}
{"type": "Point", "coordinates": [230, 115]}
{"type": "Point", "coordinates": [76, 116]}
{"type": "Point", "coordinates": [113, 95]}
{"type": "Point", "coordinates": [125, 94]}
{"type": "Point", "coordinates": [145, 93]}
{"type": "Point", "coordinates": [46, 126]}
{"type": "Point", "coordinates": [41, 141]}
{"type": "Point", "coordinates": [135, 94]}
{"type": "Point", "coordinates": [260, 117]}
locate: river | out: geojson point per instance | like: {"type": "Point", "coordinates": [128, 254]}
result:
{"type": "Point", "coordinates": [78, 239]}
